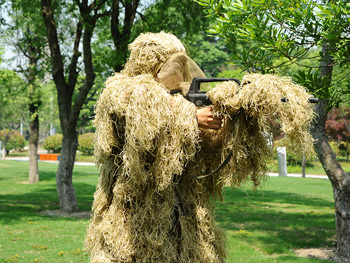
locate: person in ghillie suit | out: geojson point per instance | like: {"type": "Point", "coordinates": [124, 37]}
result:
{"type": "Point", "coordinates": [152, 203]}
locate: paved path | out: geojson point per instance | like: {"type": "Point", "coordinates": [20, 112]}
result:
{"type": "Point", "coordinates": [26, 159]}
{"type": "Point", "coordinates": [92, 164]}
{"type": "Point", "coordinates": [300, 175]}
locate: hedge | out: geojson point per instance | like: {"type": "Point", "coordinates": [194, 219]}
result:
{"type": "Point", "coordinates": [86, 143]}
{"type": "Point", "coordinates": [16, 141]}
{"type": "Point", "coordinates": [53, 143]}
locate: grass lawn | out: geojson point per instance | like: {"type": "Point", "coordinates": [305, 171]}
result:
{"type": "Point", "coordinates": [262, 226]}
{"type": "Point", "coordinates": [312, 167]}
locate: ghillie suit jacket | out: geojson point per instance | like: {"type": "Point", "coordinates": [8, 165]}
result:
{"type": "Point", "coordinates": [150, 205]}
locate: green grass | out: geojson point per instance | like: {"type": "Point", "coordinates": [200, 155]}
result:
{"type": "Point", "coordinates": [268, 224]}
{"type": "Point", "coordinates": [84, 158]}
{"type": "Point", "coordinates": [262, 226]}
{"type": "Point", "coordinates": [27, 235]}
{"type": "Point", "coordinates": [312, 167]}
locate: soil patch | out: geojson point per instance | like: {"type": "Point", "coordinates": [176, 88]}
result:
{"type": "Point", "coordinates": [321, 253]}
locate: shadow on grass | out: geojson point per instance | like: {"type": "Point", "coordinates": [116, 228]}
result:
{"type": "Point", "coordinates": [20, 200]}
{"type": "Point", "coordinates": [276, 222]}
{"type": "Point", "coordinates": [15, 207]}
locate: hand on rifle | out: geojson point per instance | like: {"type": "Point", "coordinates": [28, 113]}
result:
{"type": "Point", "coordinates": [207, 120]}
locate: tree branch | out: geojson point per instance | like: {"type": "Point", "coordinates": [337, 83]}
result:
{"type": "Point", "coordinates": [76, 54]}
{"type": "Point", "coordinates": [57, 63]}
{"type": "Point", "coordinates": [90, 74]}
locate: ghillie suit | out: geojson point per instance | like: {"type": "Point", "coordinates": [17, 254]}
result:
{"type": "Point", "coordinates": [150, 205]}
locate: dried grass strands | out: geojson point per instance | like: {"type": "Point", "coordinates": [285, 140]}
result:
{"type": "Point", "coordinates": [149, 51]}
{"type": "Point", "coordinates": [259, 97]}
{"type": "Point", "coordinates": [134, 200]}
{"type": "Point", "coordinates": [152, 125]}
{"type": "Point", "coordinates": [202, 240]}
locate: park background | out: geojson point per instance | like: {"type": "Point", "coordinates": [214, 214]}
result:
{"type": "Point", "coordinates": [268, 225]}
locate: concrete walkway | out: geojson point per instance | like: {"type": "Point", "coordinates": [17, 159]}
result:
{"type": "Point", "coordinates": [92, 164]}
{"type": "Point", "coordinates": [26, 159]}
{"type": "Point", "coordinates": [300, 175]}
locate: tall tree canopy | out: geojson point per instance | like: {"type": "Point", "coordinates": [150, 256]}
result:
{"type": "Point", "coordinates": [29, 40]}
{"type": "Point", "coordinates": [286, 32]}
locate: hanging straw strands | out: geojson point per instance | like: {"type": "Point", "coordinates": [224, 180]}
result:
{"type": "Point", "coordinates": [148, 205]}
{"type": "Point", "coordinates": [259, 98]}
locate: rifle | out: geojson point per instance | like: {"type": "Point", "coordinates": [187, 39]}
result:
{"type": "Point", "coordinates": [199, 98]}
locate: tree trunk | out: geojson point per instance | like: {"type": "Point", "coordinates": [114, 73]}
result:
{"type": "Point", "coordinates": [339, 179]}
{"type": "Point", "coordinates": [34, 102]}
{"type": "Point", "coordinates": [33, 148]}
{"type": "Point", "coordinates": [65, 188]}
{"type": "Point", "coordinates": [69, 108]}
{"type": "Point", "coordinates": [121, 34]}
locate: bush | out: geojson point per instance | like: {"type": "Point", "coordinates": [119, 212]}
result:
{"type": "Point", "coordinates": [86, 143]}
{"type": "Point", "coordinates": [53, 143]}
{"type": "Point", "coordinates": [16, 141]}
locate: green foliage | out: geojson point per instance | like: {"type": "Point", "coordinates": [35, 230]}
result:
{"type": "Point", "coordinates": [341, 149]}
{"type": "Point", "coordinates": [86, 143]}
{"type": "Point", "coordinates": [186, 20]}
{"type": "Point", "coordinates": [49, 108]}
{"type": "Point", "coordinates": [1, 53]}
{"type": "Point", "coordinates": [53, 143]}
{"type": "Point", "coordinates": [281, 34]}
{"type": "Point", "coordinates": [11, 85]}
{"type": "Point", "coordinates": [15, 141]}
{"type": "Point", "coordinates": [232, 73]}
{"type": "Point", "coordinates": [183, 18]}
{"type": "Point", "coordinates": [209, 53]}
{"type": "Point", "coordinates": [12, 99]}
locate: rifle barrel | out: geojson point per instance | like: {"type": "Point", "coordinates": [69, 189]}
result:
{"type": "Point", "coordinates": [311, 100]}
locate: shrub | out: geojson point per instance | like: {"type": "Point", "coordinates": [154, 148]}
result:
{"type": "Point", "coordinates": [53, 143]}
{"type": "Point", "coordinates": [16, 141]}
{"type": "Point", "coordinates": [86, 143]}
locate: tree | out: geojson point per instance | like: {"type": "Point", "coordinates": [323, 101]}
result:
{"type": "Point", "coordinates": [27, 29]}
{"type": "Point", "coordinates": [65, 74]}
{"type": "Point", "coordinates": [286, 31]}
{"type": "Point", "coordinates": [11, 103]}
{"type": "Point", "coordinates": [74, 76]}
{"type": "Point", "coordinates": [68, 67]}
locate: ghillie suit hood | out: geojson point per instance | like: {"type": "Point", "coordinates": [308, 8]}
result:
{"type": "Point", "coordinates": [149, 205]}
